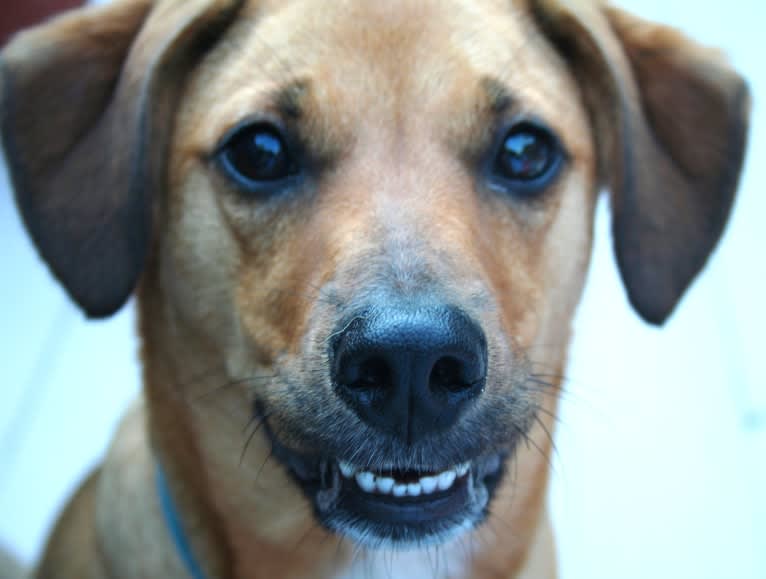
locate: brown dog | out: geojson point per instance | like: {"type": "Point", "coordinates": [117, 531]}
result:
{"type": "Point", "coordinates": [349, 224]}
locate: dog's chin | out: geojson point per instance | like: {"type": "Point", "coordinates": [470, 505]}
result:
{"type": "Point", "coordinates": [394, 508]}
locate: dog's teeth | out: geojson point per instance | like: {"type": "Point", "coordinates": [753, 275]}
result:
{"type": "Point", "coordinates": [400, 490]}
{"type": "Point", "coordinates": [428, 484]}
{"type": "Point", "coordinates": [366, 481]}
{"type": "Point", "coordinates": [414, 489]}
{"type": "Point", "coordinates": [445, 479]}
{"type": "Point", "coordinates": [371, 483]}
{"type": "Point", "coordinates": [346, 469]}
{"type": "Point", "coordinates": [384, 484]}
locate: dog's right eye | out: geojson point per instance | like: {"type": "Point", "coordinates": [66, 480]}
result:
{"type": "Point", "coordinates": [257, 158]}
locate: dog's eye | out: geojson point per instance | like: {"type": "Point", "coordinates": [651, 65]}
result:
{"type": "Point", "coordinates": [257, 156]}
{"type": "Point", "coordinates": [528, 157]}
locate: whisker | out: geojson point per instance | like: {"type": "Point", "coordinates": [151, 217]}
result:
{"type": "Point", "coordinates": [312, 527]}
{"type": "Point", "coordinates": [434, 565]}
{"type": "Point", "coordinates": [571, 392]}
{"type": "Point", "coordinates": [551, 376]}
{"type": "Point", "coordinates": [548, 413]}
{"type": "Point", "coordinates": [261, 420]}
{"type": "Point", "coordinates": [389, 566]}
{"type": "Point", "coordinates": [558, 391]}
{"type": "Point", "coordinates": [469, 549]}
{"type": "Point", "coordinates": [341, 331]}
{"type": "Point", "coordinates": [263, 464]}
{"type": "Point", "coordinates": [530, 443]}
{"type": "Point", "coordinates": [548, 435]}
{"type": "Point", "coordinates": [250, 380]}
{"type": "Point", "coordinates": [545, 345]}
{"type": "Point", "coordinates": [338, 548]}
{"type": "Point", "coordinates": [197, 378]}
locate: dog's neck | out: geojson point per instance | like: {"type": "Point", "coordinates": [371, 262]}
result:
{"type": "Point", "coordinates": [175, 526]}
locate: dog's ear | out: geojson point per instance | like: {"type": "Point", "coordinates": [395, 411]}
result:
{"type": "Point", "coordinates": [670, 123]}
{"type": "Point", "coordinates": [86, 111]}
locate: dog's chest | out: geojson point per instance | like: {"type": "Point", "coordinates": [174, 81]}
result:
{"type": "Point", "coordinates": [446, 562]}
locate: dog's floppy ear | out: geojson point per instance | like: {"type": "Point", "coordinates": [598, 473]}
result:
{"type": "Point", "coordinates": [670, 123]}
{"type": "Point", "coordinates": [86, 110]}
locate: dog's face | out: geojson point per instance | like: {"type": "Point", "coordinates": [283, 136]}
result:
{"type": "Point", "coordinates": [400, 246]}
{"type": "Point", "coordinates": [374, 221]}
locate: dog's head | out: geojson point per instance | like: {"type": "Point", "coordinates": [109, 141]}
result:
{"type": "Point", "coordinates": [374, 217]}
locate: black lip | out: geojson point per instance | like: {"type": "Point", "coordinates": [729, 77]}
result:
{"type": "Point", "coordinates": [414, 511]}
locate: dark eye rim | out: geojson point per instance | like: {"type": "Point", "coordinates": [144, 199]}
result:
{"type": "Point", "coordinates": [250, 187]}
{"type": "Point", "coordinates": [521, 188]}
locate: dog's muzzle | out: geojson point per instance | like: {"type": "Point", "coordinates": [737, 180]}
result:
{"type": "Point", "coordinates": [413, 376]}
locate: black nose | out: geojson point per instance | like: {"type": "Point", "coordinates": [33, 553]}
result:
{"type": "Point", "coordinates": [410, 371]}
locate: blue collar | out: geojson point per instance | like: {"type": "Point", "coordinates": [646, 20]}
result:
{"type": "Point", "coordinates": [173, 523]}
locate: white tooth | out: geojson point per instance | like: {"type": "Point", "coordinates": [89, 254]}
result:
{"type": "Point", "coordinates": [462, 469]}
{"type": "Point", "coordinates": [384, 484]}
{"type": "Point", "coordinates": [445, 479]}
{"type": "Point", "coordinates": [346, 469]}
{"type": "Point", "coordinates": [413, 489]}
{"type": "Point", "coordinates": [366, 481]}
{"type": "Point", "coordinates": [428, 484]}
{"type": "Point", "coordinates": [400, 490]}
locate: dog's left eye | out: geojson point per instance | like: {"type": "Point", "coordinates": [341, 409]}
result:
{"type": "Point", "coordinates": [528, 158]}
{"type": "Point", "coordinates": [257, 157]}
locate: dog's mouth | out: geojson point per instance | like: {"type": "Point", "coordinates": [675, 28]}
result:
{"type": "Point", "coordinates": [396, 507]}
{"type": "Point", "coordinates": [417, 506]}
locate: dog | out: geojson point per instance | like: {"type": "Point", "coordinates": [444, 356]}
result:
{"type": "Point", "coordinates": [347, 226]}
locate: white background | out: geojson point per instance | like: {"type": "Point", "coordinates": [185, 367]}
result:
{"type": "Point", "coordinates": [661, 463]}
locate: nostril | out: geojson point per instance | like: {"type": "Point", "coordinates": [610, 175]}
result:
{"type": "Point", "coordinates": [366, 382]}
{"type": "Point", "coordinates": [450, 374]}
{"type": "Point", "coordinates": [364, 372]}
{"type": "Point", "coordinates": [372, 372]}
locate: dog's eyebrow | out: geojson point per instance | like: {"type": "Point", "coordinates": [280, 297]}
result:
{"type": "Point", "coordinates": [498, 96]}
{"type": "Point", "coordinates": [490, 101]}
{"type": "Point", "coordinates": [290, 99]}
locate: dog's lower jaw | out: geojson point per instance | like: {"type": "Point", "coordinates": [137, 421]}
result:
{"type": "Point", "coordinates": [393, 509]}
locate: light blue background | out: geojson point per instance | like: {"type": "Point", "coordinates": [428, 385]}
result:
{"type": "Point", "coordinates": [661, 463]}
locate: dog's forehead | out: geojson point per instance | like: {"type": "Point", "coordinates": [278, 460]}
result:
{"type": "Point", "coordinates": [379, 61]}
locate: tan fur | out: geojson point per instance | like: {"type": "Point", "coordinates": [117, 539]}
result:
{"type": "Point", "coordinates": [237, 296]}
